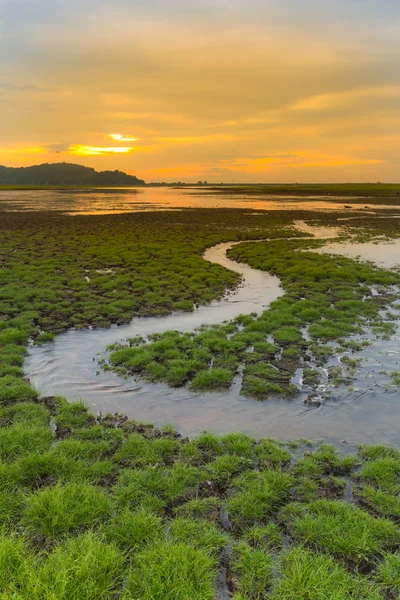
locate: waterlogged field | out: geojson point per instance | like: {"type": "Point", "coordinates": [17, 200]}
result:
{"type": "Point", "coordinates": [98, 507]}
{"type": "Point", "coordinates": [326, 298]}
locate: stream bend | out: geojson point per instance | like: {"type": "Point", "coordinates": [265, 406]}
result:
{"type": "Point", "coordinates": [68, 367]}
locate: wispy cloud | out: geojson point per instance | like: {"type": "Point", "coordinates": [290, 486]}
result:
{"type": "Point", "coordinates": [238, 88]}
{"type": "Point", "coordinates": [118, 137]}
{"type": "Point", "coordinates": [81, 150]}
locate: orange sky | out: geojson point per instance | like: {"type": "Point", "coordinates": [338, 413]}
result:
{"type": "Point", "coordinates": [242, 91]}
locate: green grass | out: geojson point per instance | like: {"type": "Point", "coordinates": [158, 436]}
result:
{"type": "Point", "coordinates": [197, 533]}
{"type": "Point", "coordinates": [201, 508]}
{"type": "Point", "coordinates": [172, 572]}
{"type": "Point", "coordinates": [164, 511]}
{"type": "Point", "coordinates": [389, 573]}
{"type": "Point", "coordinates": [383, 472]}
{"type": "Point", "coordinates": [326, 301]}
{"type": "Point", "coordinates": [387, 505]}
{"type": "Point", "coordinates": [82, 567]}
{"type": "Point", "coordinates": [255, 496]}
{"type": "Point", "coordinates": [19, 440]}
{"type": "Point", "coordinates": [111, 509]}
{"type": "Point", "coordinates": [13, 389]}
{"type": "Point", "coordinates": [60, 510]}
{"type": "Point", "coordinates": [341, 529]}
{"type": "Point", "coordinates": [136, 451]}
{"type": "Point", "coordinates": [265, 537]}
{"type": "Point", "coordinates": [308, 576]}
{"type": "Point", "coordinates": [253, 570]}
{"type": "Point", "coordinates": [132, 531]}
{"type": "Point", "coordinates": [212, 379]}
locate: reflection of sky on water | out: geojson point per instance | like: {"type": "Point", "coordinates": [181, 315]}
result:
{"type": "Point", "coordinates": [123, 200]}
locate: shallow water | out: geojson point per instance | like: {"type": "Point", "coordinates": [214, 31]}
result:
{"type": "Point", "coordinates": [385, 254]}
{"type": "Point", "coordinates": [123, 200]}
{"type": "Point", "coordinates": [68, 366]}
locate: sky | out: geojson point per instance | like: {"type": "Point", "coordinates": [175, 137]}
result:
{"type": "Point", "coordinates": [216, 90]}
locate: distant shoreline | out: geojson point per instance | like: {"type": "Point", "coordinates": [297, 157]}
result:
{"type": "Point", "coordinates": [389, 193]}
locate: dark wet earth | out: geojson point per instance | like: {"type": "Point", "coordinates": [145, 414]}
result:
{"type": "Point", "coordinates": [367, 410]}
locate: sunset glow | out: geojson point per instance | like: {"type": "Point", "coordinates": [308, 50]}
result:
{"type": "Point", "coordinates": [94, 151]}
{"type": "Point", "coordinates": [229, 91]}
{"type": "Point", "coordinates": [122, 138]}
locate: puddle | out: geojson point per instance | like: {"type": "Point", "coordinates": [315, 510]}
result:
{"type": "Point", "coordinates": [384, 254]}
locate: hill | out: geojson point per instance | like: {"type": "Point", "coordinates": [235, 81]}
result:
{"type": "Point", "coordinates": [64, 174]}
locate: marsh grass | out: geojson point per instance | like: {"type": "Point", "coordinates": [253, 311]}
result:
{"type": "Point", "coordinates": [60, 510]}
{"type": "Point", "coordinates": [318, 576]}
{"type": "Point", "coordinates": [82, 567]}
{"type": "Point", "coordinates": [106, 508]}
{"type": "Point", "coordinates": [327, 300]}
{"type": "Point", "coordinates": [389, 573]}
{"type": "Point", "coordinates": [156, 525]}
{"type": "Point", "coordinates": [132, 531]}
{"type": "Point", "coordinates": [341, 529]}
{"type": "Point", "coordinates": [172, 572]}
{"type": "Point", "coordinates": [252, 568]}
{"type": "Point", "coordinates": [255, 496]}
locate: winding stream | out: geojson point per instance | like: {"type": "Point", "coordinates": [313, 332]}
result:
{"type": "Point", "coordinates": [68, 367]}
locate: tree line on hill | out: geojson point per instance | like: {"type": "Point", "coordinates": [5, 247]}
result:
{"type": "Point", "coordinates": [65, 174]}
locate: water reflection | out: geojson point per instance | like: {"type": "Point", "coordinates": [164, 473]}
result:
{"type": "Point", "coordinates": [122, 200]}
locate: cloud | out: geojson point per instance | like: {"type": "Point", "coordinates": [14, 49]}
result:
{"type": "Point", "coordinates": [58, 148]}
{"type": "Point", "coordinates": [348, 99]}
{"type": "Point", "coordinates": [300, 160]}
{"type": "Point", "coordinates": [118, 137]}
{"type": "Point", "coordinates": [238, 86]}
{"type": "Point", "coordinates": [81, 150]}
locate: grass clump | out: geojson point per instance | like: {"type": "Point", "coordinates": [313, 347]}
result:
{"type": "Point", "coordinates": [212, 379]}
{"type": "Point", "coordinates": [60, 510]}
{"type": "Point", "coordinates": [311, 377]}
{"type": "Point", "coordinates": [255, 496]}
{"type": "Point", "coordinates": [201, 508]}
{"type": "Point", "coordinates": [85, 567]}
{"type": "Point", "coordinates": [265, 537]}
{"type": "Point", "coordinates": [15, 389]}
{"type": "Point", "coordinates": [154, 488]}
{"type": "Point", "coordinates": [341, 529]}
{"type": "Point", "coordinates": [197, 533]}
{"type": "Point", "coordinates": [239, 444]}
{"type": "Point", "coordinates": [388, 574]}
{"type": "Point", "coordinates": [131, 531]}
{"type": "Point", "coordinates": [223, 468]}
{"type": "Point", "coordinates": [325, 461]}
{"type": "Point", "coordinates": [20, 441]}
{"type": "Point", "coordinates": [252, 568]}
{"type": "Point", "coordinates": [137, 451]}
{"type": "Point", "coordinates": [309, 576]}
{"type": "Point", "coordinates": [271, 454]}
{"type": "Point", "coordinates": [73, 415]}
{"type": "Point", "coordinates": [15, 565]}
{"type": "Point", "coordinates": [172, 572]}
{"type": "Point", "coordinates": [378, 501]}
{"type": "Point", "coordinates": [383, 472]}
